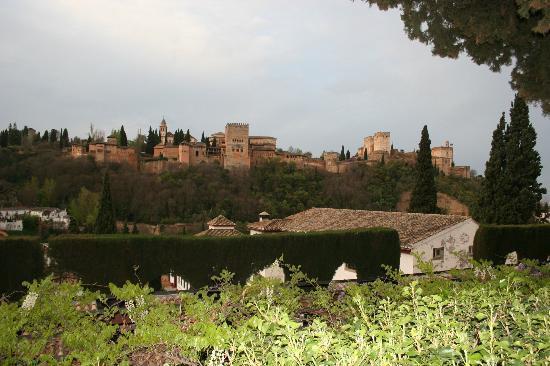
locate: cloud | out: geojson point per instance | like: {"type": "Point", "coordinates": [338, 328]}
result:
{"type": "Point", "coordinates": [316, 73]}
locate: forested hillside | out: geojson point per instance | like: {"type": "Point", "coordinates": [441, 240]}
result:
{"type": "Point", "coordinates": [46, 178]}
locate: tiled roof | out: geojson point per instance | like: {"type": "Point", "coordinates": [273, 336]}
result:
{"type": "Point", "coordinates": [412, 227]}
{"type": "Point", "coordinates": [221, 221]}
{"type": "Point", "coordinates": [276, 225]}
{"type": "Point", "coordinates": [219, 232]}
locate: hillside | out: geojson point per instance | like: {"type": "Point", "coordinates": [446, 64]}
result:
{"type": "Point", "coordinates": [47, 178]}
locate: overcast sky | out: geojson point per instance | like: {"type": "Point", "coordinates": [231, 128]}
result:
{"type": "Point", "coordinates": [316, 74]}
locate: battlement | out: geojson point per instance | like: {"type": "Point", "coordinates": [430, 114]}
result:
{"type": "Point", "coordinates": [237, 124]}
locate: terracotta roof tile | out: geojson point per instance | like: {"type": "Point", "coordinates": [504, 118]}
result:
{"type": "Point", "coordinates": [220, 221]}
{"type": "Point", "coordinates": [219, 232]}
{"type": "Point", "coordinates": [412, 227]}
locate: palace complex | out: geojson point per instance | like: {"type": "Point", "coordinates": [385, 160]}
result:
{"type": "Point", "coordinates": [235, 148]}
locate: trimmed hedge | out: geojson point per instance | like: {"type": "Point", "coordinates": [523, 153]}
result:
{"type": "Point", "coordinates": [21, 259]}
{"type": "Point", "coordinates": [494, 242]}
{"type": "Point", "coordinates": [112, 258]}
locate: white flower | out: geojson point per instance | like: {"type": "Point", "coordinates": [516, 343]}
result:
{"type": "Point", "coordinates": [29, 301]}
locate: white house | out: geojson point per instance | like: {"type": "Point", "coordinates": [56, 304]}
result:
{"type": "Point", "coordinates": [444, 240]}
{"type": "Point", "coordinates": [11, 225]}
{"type": "Point", "coordinates": [58, 217]}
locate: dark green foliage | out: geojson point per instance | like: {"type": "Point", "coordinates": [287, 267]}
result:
{"type": "Point", "coordinates": [494, 33]}
{"type": "Point", "coordinates": [123, 139]}
{"type": "Point", "coordinates": [492, 196]}
{"type": "Point", "coordinates": [187, 136]}
{"type": "Point", "coordinates": [4, 138]}
{"type": "Point", "coordinates": [495, 242]}
{"type": "Point", "coordinates": [522, 192]}
{"type": "Point", "coordinates": [424, 194]}
{"type": "Point", "coordinates": [21, 259]}
{"type": "Point", "coordinates": [153, 139]}
{"type": "Point", "coordinates": [365, 155]}
{"type": "Point", "coordinates": [53, 136]}
{"type": "Point", "coordinates": [348, 155]}
{"type": "Point", "coordinates": [104, 259]}
{"type": "Point", "coordinates": [179, 137]}
{"type": "Point", "coordinates": [46, 136]}
{"type": "Point", "coordinates": [342, 154]}
{"type": "Point", "coordinates": [105, 222]}
{"type": "Point", "coordinates": [30, 225]}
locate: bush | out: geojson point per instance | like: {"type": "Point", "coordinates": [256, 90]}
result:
{"type": "Point", "coordinates": [118, 258]}
{"type": "Point", "coordinates": [21, 259]}
{"type": "Point", "coordinates": [495, 242]}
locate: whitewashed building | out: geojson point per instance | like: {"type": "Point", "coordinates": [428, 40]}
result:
{"type": "Point", "coordinates": [57, 217]}
{"type": "Point", "coordinates": [446, 241]}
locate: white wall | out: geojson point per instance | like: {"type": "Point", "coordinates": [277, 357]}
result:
{"type": "Point", "coordinates": [406, 263]}
{"type": "Point", "coordinates": [454, 240]}
{"type": "Point", "coordinates": [16, 225]}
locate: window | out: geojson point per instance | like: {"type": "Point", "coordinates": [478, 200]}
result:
{"type": "Point", "coordinates": [196, 153]}
{"type": "Point", "coordinates": [438, 253]}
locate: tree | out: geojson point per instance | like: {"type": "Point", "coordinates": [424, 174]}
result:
{"type": "Point", "coordinates": [123, 140]}
{"type": "Point", "coordinates": [348, 155]}
{"type": "Point", "coordinates": [342, 154]}
{"type": "Point", "coordinates": [365, 155]}
{"type": "Point", "coordinates": [523, 167]}
{"type": "Point", "coordinates": [47, 193]}
{"type": "Point", "coordinates": [152, 140]}
{"type": "Point", "coordinates": [105, 222]}
{"type": "Point", "coordinates": [188, 136]}
{"type": "Point", "coordinates": [53, 136]}
{"type": "Point", "coordinates": [84, 208]}
{"type": "Point", "coordinates": [64, 138]}
{"type": "Point", "coordinates": [424, 194]}
{"type": "Point", "coordinates": [492, 198]}
{"type": "Point", "coordinates": [46, 136]}
{"type": "Point", "coordinates": [4, 138]}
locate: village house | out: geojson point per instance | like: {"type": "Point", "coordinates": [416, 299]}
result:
{"type": "Point", "coordinates": [220, 226]}
{"type": "Point", "coordinates": [444, 240]}
{"type": "Point", "coordinates": [57, 217]}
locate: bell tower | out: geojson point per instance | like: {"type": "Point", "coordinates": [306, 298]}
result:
{"type": "Point", "coordinates": [163, 131]}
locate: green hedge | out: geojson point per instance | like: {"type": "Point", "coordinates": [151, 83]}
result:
{"type": "Point", "coordinates": [494, 242]}
{"type": "Point", "coordinates": [21, 259]}
{"type": "Point", "coordinates": [112, 258]}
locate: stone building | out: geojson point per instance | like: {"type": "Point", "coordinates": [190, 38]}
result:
{"type": "Point", "coordinates": [106, 152]}
{"type": "Point", "coordinates": [443, 160]}
{"type": "Point", "coordinates": [376, 146]}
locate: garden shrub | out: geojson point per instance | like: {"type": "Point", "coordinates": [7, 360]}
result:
{"type": "Point", "coordinates": [117, 258]}
{"type": "Point", "coordinates": [495, 242]}
{"type": "Point", "coordinates": [21, 260]}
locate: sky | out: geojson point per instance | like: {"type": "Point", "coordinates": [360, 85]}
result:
{"type": "Point", "coordinates": [316, 74]}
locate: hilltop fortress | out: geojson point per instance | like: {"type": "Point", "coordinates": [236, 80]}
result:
{"type": "Point", "coordinates": [235, 148]}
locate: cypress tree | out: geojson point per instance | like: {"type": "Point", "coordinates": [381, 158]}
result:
{"type": "Point", "coordinates": [523, 167]}
{"type": "Point", "coordinates": [424, 194]}
{"type": "Point", "coordinates": [151, 142]}
{"type": "Point", "coordinates": [188, 136]}
{"type": "Point", "coordinates": [342, 154]}
{"type": "Point", "coordinates": [4, 138]}
{"type": "Point", "coordinates": [123, 139]}
{"type": "Point", "coordinates": [365, 155]}
{"type": "Point", "coordinates": [53, 136]}
{"type": "Point", "coordinates": [491, 198]}
{"type": "Point", "coordinates": [46, 136]}
{"type": "Point", "coordinates": [348, 155]}
{"type": "Point", "coordinates": [105, 221]}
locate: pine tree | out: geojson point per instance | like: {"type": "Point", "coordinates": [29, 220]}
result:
{"type": "Point", "coordinates": [53, 136]}
{"type": "Point", "coordinates": [151, 141]}
{"type": "Point", "coordinates": [105, 221]}
{"type": "Point", "coordinates": [46, 136]}
{"type": "Point", "coordinates": [523, 167]}
{"type": "Point", "coordinates": [491, 198]}
{"type": "Point", "coordinates": [123, 139]}
{"type": "Point", "coordinates": [342, 154]}
{"type": "Point", "coordinates": [424, 194]}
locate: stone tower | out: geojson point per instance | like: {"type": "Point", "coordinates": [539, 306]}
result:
{"type": "Point", "coordinates": [382, 142]}
{"type": "Point", "coordinates": [163, 130]}
{"type": "Point", "coordinates": [236, 146]}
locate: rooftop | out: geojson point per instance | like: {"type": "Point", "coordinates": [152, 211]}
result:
{"type": "Point", "coordinates": [220, 221]}
{"type": "Point", "coordinates": [219, 232]}
{"type": "Point", "coordinates": [412, 227]}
